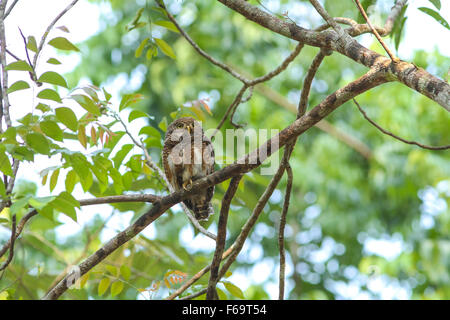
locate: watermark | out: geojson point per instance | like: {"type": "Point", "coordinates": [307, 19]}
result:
{"type": "Point", "coordinates": [249, 146]}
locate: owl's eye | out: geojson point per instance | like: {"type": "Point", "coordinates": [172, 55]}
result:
{"type": "Point", "coordinates": [180, 125]}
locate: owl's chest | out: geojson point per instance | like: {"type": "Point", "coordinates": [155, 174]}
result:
{"type": "Point", "coordinates": [186, 161]}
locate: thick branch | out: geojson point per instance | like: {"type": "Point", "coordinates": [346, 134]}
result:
{"type": "Point", "coordinates": [407, 73]}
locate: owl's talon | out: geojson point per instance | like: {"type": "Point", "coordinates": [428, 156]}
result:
{"type": "Point", "coordinates": [187, 185]}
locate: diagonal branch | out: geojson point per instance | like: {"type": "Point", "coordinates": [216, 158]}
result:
{"type": "Point", "coordinates": [10, 8]}
{"type": "Point", "coordinates": [395, 136]}
{"type": "Point", "coordinates": [47, 31]}
{"type": "Point", "coordinates": [416, 78]}
{"type": "Point", "coordinates": [11, 247]}
{"type": "Point", "coordinates": [375, 32]}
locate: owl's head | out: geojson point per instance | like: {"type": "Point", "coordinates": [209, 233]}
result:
{"type": "Point", "coordinates": [183, 127]}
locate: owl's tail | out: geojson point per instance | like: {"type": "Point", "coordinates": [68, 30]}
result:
{"type": "Point", "coordinates": [202, 211]}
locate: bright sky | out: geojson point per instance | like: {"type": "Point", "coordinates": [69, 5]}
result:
{"type": "Point", "coordinates": [83, 21]}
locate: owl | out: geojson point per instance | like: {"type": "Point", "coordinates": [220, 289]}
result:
{"type": "Point", "coordinates": [188, 155]}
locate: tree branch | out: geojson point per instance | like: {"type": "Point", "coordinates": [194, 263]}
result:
{"type": "Point", "coordinates": [10, 8]}
{"type": "Point", "coordinates": [375, 32]}
{"type": "Point", "coordinates": [11, 247]}
{"type": "Point", "coordinates": [416, 78]}
{"type": "Point", "coordinates": [84, 202]}
{"type": "Point", "coordinates": [47, 31]}
{"type": "Point", "coordinates": [287, 197]}
{"type": "Point", "coordinates": [395, 136]}
{"type": "Point", "coordinates": [221, 236]}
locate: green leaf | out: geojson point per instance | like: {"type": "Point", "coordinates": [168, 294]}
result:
{"type": "Point", "coordinates": [222, 295]}
{"type": "Point", "coordinates": [38, 143]}
{"type": "Point", "coordinates": [82, 168]}
{"type": "Point", "coordinates": [163, 124]}
{"type": "Point", "coordinates": [18, 205]}
{"type": "Point", "coordinates": [116, 288]}
{"type": "Point", "coordinates": [135, 114]}
{"type": "Point", "coordinates": [54, 179]}
{"type": "Point", "coordinates": [129, 99]}
{"type": "Point", "coordinates": [53, 61]}
{"type": "Point", "coordinates": [103, 286]}
{"type": "Point", "coordinates": [167, 24]}
{"type": "Point", "coordinates": [165, 47]}
{"type": "Point", "coordinates": [82, 135]}
{"type": "Point", "coordinates": [43, 107]}
{"type": "Point", "coordinates": [112, 269]}
{"type": "Point", "coordinates": [31, 44]}
{"type": "Point", "coordinates": [53, 78]}
{"type": "Point", "coordinates": [150, 131]}
{"type": "Point", "coordinates": [152, 51]}
{"type": "Point", "coordinates": [18, 85]}
{"type": "Point", "coordinates": [5, 165]}
{"type": "Point", "coordinates": [141, 47]}
{"type": "Point", "coordinates": [40, 202]}
{"type": "Point", "coordinates": [63, 44]}
{"type": "Point", "coordinates": [20, 65]}
{"type": "Point", "coordinates": [233, 289]}
{"type": "Point", "coordinates": [436, 3]}
{"type": "Point", "coordinates": [125, 272]}
{"type": "Point", "coordinates": [67, 117]}
{"type": "Point", "coordinates": [121, 154]}
{"type": "Point", "coordinates": [66, 204]}
{"type": "Point", "coordinates": [107, 94]}
{"type": "Point", "coordinates": [436, 16]}
{"type": "Point", "coordinates": [51, 129]}
{"type": "Point", "coordinates": [71, 180]}
{"type": "Point", "coordinates": [2, 190]}
{"type": "Point", "coordinates": [49, 94]}
{"type": "Point", "coordinates": [86, 103]}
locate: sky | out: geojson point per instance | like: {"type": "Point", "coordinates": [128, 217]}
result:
{"type": "Point", "coordinates": [83, 21]}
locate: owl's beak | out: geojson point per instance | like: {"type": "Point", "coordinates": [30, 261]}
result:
{"type": "Point", "coordinates": [189, 128]}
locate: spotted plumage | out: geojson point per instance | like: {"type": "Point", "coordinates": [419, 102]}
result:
{"type": "Point", "coordinates": [188, 155]}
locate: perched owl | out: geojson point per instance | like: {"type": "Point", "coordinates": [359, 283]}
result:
{"type": "Point", "coordinates": [188, 155]}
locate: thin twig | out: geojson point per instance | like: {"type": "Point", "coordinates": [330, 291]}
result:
{"type": "Point", "coordinates": [395, 136]}
{"type": "Point", "coordinates": [199, 50]}
{"type": "Point", "coordinates": [11, 247]}
{"type": "Point", "coordinates": [47, 31]}
{"type": "Point", "coordinates": [375, 32]}
{"type": "Point", "coordinates": [251, 83]}
{"type": "Point", "coordinates": [237, 100]}
{"type": "Point", "coordinates": [10, 8]}
{"type": "Point", "coordinates": [12, 54]}
{"type": "Point", "coordinates": [221, 236]}
{"type": "Point", "coordinates": [303, 102]}
{"type": "Point", "coordinates": [194, 295]}
{"type": "Point", "coordinates": [197, 276]}
{"type": "Point", "coordinates": [287, 197]}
